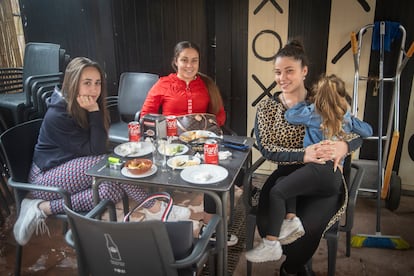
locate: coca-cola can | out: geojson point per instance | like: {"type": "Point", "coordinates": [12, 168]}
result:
{"type": "Point", "coordinates": [134, 131]}
{"type": "Point", "coordinates": [171, 125]}
{"type": "Point", "coordinates": [211, 152]}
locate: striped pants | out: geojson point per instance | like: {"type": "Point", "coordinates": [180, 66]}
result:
{"type": "Point", "coordinates": [71, 177]}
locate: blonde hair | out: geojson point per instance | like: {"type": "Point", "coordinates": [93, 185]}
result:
{"type": "Point", "coordinates": [330, 101]}
{"type": "Point", "coordinates": [70, 91]}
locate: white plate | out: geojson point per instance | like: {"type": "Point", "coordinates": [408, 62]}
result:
{"type": "Point", "coordinates": [173, 162]}
{"type": "Point", "coordinates": [168, 149]}
{"type": "Point", "coordinates": [133, 149]}
{"type": "Point", "coordinates": [125, 172]}
{"type": "Point", "coordinates": [196, 134]}
{"type": "Point", "coordinates": [204, 174]}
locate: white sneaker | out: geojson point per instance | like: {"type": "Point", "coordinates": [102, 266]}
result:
{"type": "Point", "coordinates": [30, 218]}
{"type": "Point", "coordinates": [291, 230]}
{"type": "Point", "coordinates": [231, 238]}
{"type": "Point", "coordinates": [266, 251]}
{"type": "Point", "coordinates": [177, 213]}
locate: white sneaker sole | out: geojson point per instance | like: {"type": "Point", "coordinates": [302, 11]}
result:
{"type": "Point", "coordinates": [299, 232]}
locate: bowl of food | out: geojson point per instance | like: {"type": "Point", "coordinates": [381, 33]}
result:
{"type": "Point", "coordinates": [138, 165]}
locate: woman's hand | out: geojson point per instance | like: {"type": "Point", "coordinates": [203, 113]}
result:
{"type": "Point", "coordinates": [88, 102]}
{"type": "Point", "coordinates": [326, 150]}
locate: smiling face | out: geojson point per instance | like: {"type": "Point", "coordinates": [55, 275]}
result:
{"type": "Point", "coordinates": [90, 83]}
{"type": "Point", "coordinates": [289, 74]}
{"type": "Point", "coordinates": [187, 63]}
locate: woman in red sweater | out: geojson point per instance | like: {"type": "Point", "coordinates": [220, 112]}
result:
{"type": "Point", "coordinates": [184, 92]}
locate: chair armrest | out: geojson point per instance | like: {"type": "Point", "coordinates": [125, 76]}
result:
{"type": "Point", "coordinates": [69, 238]}
{"type": "Point", "coordinates": [137, 114]}
{"type": "Point", "coordinates": [352, 194]}
{"type": "Point", "coordinates": [111, 101]}
{"type": "Point", "coordinates": [28, 83]}
{"type": "Point", "coordinates": [33, 187]}
{"type": "Point", "coordinates": [201, 244]}
{"type": "Point", "coordinates": [101, 207]}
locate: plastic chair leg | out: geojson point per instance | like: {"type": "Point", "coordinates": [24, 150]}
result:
{"type": "Point", "coordinates": [18, 262]}
{"type": "Point", "coordinates": [332, 242]}
{"type": "Point", "coordinates": [250, 230]}
{"type": "Point", "coordinates": [348, 243]}
{"type": "Point", "coordinates": [231, 220]}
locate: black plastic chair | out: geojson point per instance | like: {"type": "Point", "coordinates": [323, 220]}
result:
{"type": "Point", "coordinates": [132, 91]}
{"type": "Point", "coordinates": [17, 144]}
{"type": "Point", "coordinates": [39, 59]}
{"type": "Point", "coordinates": [353, 175]}
{"type": "Point", "coordinates": [138, 248]}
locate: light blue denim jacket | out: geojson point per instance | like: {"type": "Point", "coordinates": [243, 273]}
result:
{"type": "Point", "coordinates": [305, 114]}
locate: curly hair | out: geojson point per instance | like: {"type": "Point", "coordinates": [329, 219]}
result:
{"type": "Point", "coordinates": [330, 99]}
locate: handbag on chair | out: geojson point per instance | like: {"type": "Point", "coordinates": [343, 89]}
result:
{"type": "Point", "coordinates": [198, 121]}
{"type": "Point", "coordinates": [161, 195]}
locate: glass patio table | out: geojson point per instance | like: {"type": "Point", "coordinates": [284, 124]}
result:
{"type": "Point", "coordinates": [171, 179]}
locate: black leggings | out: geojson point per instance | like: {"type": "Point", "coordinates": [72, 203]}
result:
{"type": "Point", "coordinates": [317, 201]}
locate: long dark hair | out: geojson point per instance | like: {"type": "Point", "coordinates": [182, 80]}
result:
{"type": "Point", "coordinates": [294, 49]}
{"type": "Point", "coordinates": [216, 101]}
{"type": "Point", "coordinates": [70, 91]}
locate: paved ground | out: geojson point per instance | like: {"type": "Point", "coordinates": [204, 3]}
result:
{"type": "Point", "coordinates": [51, 256]}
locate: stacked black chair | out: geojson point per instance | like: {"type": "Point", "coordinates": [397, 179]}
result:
{"type": "Point", "coordinates": [39, 59]}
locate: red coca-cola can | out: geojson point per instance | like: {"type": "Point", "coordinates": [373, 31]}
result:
{"type": "Point", "coordinates": [211, 152]}
{"type": "Point", "coordinates": [171, 125]}
{"type": "Point", "coordinates": [134, 131]}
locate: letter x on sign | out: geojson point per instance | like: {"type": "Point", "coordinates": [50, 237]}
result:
{"type": "Point", "coordinates": [266, 91]}
{"type": "Point", "coordinates": [261, 5]}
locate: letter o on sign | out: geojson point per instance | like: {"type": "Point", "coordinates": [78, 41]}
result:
{"type": "Point", "coordinates": [264, 58]}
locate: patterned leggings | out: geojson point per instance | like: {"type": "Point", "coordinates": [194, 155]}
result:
{"type": "Point", "coordinates": [71, 177]}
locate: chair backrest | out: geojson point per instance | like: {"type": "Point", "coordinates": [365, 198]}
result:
{"type": "Point", "coordinates": [18, 144]}
{"type": "Point", "coordinates": [128, 248]}
{"type": "Point", "coordinates": [41, 58]}
{"type": "Point", "coordinates": [132, 91]}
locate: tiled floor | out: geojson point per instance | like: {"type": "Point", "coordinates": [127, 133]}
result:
{"type": "Point", "coordinates": [51, 256]}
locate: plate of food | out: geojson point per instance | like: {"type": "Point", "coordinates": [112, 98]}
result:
{"type": "Point", "coordinates": [197, 136]}
{"type": "Point", "coordinates": [204, 174]}
{"type": "Point", "coordinates": [183, 161]}
{"type": "Point", "coordinates": [133, 149]}
{"type": "Point", "coordinates": [172, 149]}
{"type": "Point", "coordinates": [138, 168]}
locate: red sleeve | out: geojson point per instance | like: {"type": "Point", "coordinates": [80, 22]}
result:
{"type": "Point", "coordinates": [153, 101]}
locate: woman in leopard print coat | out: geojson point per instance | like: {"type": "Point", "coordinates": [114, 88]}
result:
{"type": "Point", "coordinates": [282, 143]}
